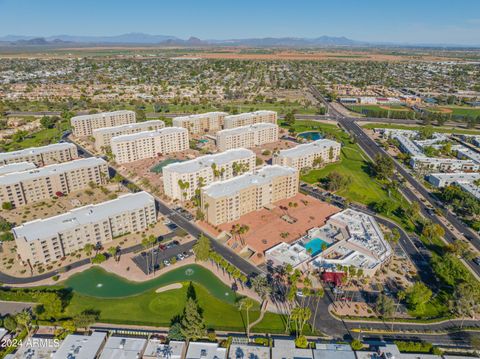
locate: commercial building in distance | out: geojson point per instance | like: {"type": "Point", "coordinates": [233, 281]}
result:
{"type": "Point", "coordinates": [49, 239]}
{"type": "Point", "coordinates": [436, 164]}
{"type": "Point", "coordinates": [247, 136]}
{"type": "Point", "coordinates": [16, 167]}
{"type": "Point", "coordinates": [250, 118]}
{"type": "Point", "coordinates": [307, 155]}
{"type": "Point", "coordinates": [182, 179]}
{"type": "Point", "coordinates": [148, 144]}
{"type": "Point", "coordinates": [85, 124]}
{"type": "Point", "coordinates": [227, 201]}
{"type": "Point", "coordinates": [103, 135]}
{"type": "Point", "coordinates": [41, 156]}
{"type": "Point", "coordinates": [201, 123]}
{"type": "Point", "coordinates": [440, 180]}
{"type": "Point", "coordinates": [20, 188]}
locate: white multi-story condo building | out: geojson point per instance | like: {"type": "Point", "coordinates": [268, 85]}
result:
{"type": "Point", "coordinates": [354, 239]}
{"type": "Point", "coordinates": [148, 144]}
{"type": "Point", "coordinates": [20, 188]}
{"type": "Point", "coordinates": [85, 124]}
{"type": "Point", "coordinates": [16, 167]}
{"type": "Point", "coordinates": [182, 179]}
{"type": "Point", "coordinates": [250, 118]}
{"type": "Point", "coordinates": [440, 180]}
{"type": "Point", "coordinates": [41, 156]}
{"type": "Point", "coordinates": [247, 136]}
{"type": "Point", "coordinates": [306, 155]}
{"type": "Point", "coordinates": [436, 164]}
{"type": "Point", "coordinates": [103, 135]}
{"type": "Point", "coordinates": [227, 201]}
{"type": "Point", "coordinates": [49, 239]}
{"type": "Point", "coordinates": [201, 123]}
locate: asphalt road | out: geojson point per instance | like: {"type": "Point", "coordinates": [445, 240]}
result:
{"type": "Point", "coordinates": [372, 149]}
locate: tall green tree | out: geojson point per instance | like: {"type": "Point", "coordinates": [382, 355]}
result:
{"type": "Point", "coordinates": [193, 324]}
{"type": "Point", "coordinates": [417, 296]}
{"type": "Point", "coordinates": [202, 248]}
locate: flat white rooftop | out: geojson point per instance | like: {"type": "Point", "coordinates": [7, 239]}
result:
{"type": "Point", "coordinates": [148, 134]}
{"type": "Point", "coordinates": [16, 167]}
{"type": "Point", "coordinates": [240, 351]}
{"type": "Point", "coordinates": [129, 126]}
{"type": "Point", "coordinates": [308, 148]}
{"type": "Point", "coordinates": [49, 227]}
{"type": "Point", "coordinates": [123, 348]}
{"type": "Point", "coordinates": [293, 254]}
{"type": "Point", "coordinates": [156, 349]}
{"type": "Point", "coordinates": [36, 150]}
{"type": "Point", "coordinates": [80, 346]}
{"type": "Point", "coordinates": [50, 170]}
{"type": "Point", "coordinates": [364, 232]}
{"type": "Point", "coordinates": [251, 114]}
{"type": "Point", "coordinates": [438, 160]}
{"type": "Point", "coordinates": [233, 185]}
{"type": "Point", "coordinates": [460, 177]}
{"type": "Point", "coordinates": [205, 350]}
{"type": "Point", "coordinates": [408, 145]}
{"type": "Point", "coordinates": [471, 154]}
{"type": "Point", "coordinates": [201, 115]}
{"type": "Point", "coordinates": [207, 160]}
{"type": "Point", "coordinates": [102, 114]}
{"type": "Point", "coordinates": [248, 128]}
{"type": "Point", "coordinates": [471, 188]}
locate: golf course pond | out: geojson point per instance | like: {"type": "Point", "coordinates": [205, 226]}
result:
{"type": "Point", "coordinates": [96, 282]}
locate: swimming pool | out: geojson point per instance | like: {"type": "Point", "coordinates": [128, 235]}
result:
{"type": "Point", "coordinates": [315, 246]}
{"type": "Point", "coordinates": [311, 135]}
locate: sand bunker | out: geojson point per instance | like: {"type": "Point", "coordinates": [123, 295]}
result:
{"type": "Point", "coordinates": [169, 287]}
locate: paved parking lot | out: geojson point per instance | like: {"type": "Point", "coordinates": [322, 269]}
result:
{"type": "Point", "coordinates": [162, 252]}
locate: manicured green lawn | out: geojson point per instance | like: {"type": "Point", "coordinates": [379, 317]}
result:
{"type": "Point", "coordinates": [363, 189]}
{"type": "Point", "coordinates": [158, 309]}
{"type": "Point", "coordinates": [457, 110]}
{"type": "Point", "coordinates": [122, 301]}
{"type": "Point", "coordinates": [41, 138]}
{"type": "Point", "coordinates": [436, 128]}
{"type": "Point", "coordinates": [354, 163]}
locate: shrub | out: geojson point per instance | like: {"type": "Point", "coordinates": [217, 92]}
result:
{"type": "Point", "coordinates": [7, 206]}
{"type": "Point", "coordinates": [356, 344]}
{"type": "Point", "coordinates": [99, 258]}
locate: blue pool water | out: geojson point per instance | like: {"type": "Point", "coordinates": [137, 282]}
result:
{"type": "Point", "coordinates": [311, 135]}
{"type": "Point", "coordinates": [315, 245]}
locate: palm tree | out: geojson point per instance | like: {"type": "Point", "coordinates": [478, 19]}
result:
{"type": "Point", "coordinates": [113, 252]}
{"type": "Point", "coordinates": [318, 295]}
{"type": "Point", "coordinates": [246, 303]}
{"type": "Point", "coordinates": [88, 249]}
{"type": "Point", "coordinates": [24, 319]}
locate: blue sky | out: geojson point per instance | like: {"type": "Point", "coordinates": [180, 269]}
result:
{"type": "Point", "coordinates": [419, 21]}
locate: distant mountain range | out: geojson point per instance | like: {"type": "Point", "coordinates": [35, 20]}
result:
{"type": "Point", "coordinates": [168, 40]}
{"type": "Point", "coordinates": [146, 39]}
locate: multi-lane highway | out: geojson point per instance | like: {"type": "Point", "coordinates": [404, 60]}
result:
{"type": "Point", "coordinates": [372, 149]}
